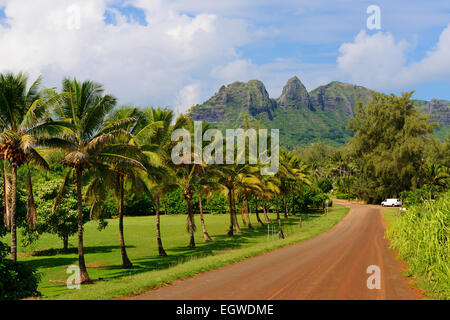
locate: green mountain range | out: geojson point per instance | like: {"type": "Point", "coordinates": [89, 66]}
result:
{"type": "Point", "coordinates": [302, 117]}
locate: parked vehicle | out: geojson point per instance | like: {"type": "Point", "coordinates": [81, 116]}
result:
{"type": "Point", "coordinates": [394, 202]}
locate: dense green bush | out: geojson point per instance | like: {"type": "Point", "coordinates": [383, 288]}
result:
{"type": "Point", "coordinates": [174, 202]}
{"type": "Point", "coordinates": [311, 198]}
{"type": "Point", "coordinates": [139, 206]}
{"type": "Point", "coordinates": [421, 237]}
{"type": "Point", "coordinates": [421, 195]}
{"type": "Point", "coordinates": [17, 280]}
{"type": "Point", "coordinates": [217, 203]}
{"type": "Point", "coordinates": [325, 184]}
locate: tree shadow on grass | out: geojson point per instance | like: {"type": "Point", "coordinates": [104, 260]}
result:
{"type": "Point", "coordinates": [182, 254]}
{"type": "Point", "coordinates": [87, 250]}
{"type": "Point", "coordinates": [56, 257]}
{"type": "Point", "coordinates": [44, 263]}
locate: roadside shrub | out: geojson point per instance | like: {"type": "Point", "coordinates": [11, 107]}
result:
{"type": "Point", "coordinates": [311, 197]}
{"type": "Point", "coordinates": [345, 196]}
{"type": "Point", "coordinates": [17, 280]}
{"type": "Point", "coordinates": [421, 237]}
{"type": "Point", "coordinates": [421, 195]}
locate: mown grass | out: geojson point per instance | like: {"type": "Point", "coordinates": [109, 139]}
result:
{"type": "Point", "coordinates": [150, 271]}
{"type": "Point", "coordinates": [421, 237]}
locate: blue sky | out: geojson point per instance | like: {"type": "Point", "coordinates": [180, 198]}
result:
{"type": "Point", "coordinates": [179, 52]}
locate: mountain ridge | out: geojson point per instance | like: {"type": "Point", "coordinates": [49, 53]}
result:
{"type": "Point", "coordinates": [303, 117]}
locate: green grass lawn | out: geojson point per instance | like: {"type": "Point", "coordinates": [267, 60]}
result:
{"type": "Point", "coordinates": [103, 259]}
{"type": "Point", "coordinates": [390, 215]}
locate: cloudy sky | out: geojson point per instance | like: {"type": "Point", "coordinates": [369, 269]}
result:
{"type": "Point", "coordinates": [179, 52]}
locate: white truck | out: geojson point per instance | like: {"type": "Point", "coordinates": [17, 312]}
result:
{"type": "Point", "coordinates": [393, 202]}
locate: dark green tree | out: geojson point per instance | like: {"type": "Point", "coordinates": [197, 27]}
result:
{"type": "Point", "coordinates": [390, 136]}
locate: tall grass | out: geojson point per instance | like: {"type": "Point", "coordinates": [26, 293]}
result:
{"type": "Point", "coordinates": [421, 237]}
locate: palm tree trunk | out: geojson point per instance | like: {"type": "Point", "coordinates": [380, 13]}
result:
{"type": "Point", "coordinates": [191, 224]}
{"type": "Point", "coordinates": [13, 213]}
{"type": "Point", "coordinates": [265, 210]}
{"type": "Point", "coordinates": [250, 226]}
{"type": "Point", "coordinates": [31, 207]}
{"type": "Point", "coordinates": [126, 263]}
{"type": "Point", "coordinates": [84, 276]}
{"type": "Point", "coordinates": [260, 223]}
{"type": "Point", "coordinates": [230, 202]}
{"type": "Point", "coordinates": [286, 213]}
{"type": "Point", "coordinates": [236, 224]}
{"type": "Point", "coordinates": [205, 233]}
{"type": "Point", "coordinates": [7, 201]}
{"type": "Point", "coordinates": [242, 214]}
{"type": "Point", "coordinates": [162, 252]}
{"type": "Point", "coordinates": [293, 205]}
{"type": "Point", "coordinates": [280, 230]}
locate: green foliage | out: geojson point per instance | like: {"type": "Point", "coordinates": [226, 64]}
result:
{"type": "Point", "coordinates": [421, 237]}
{"type": "Point", "coordinates": [4, 248]}
{"type": "Point", "coordinates": [63, 222]}
{"type": "Point", "coordinates": [17, 280]}
{"type": "Point", "coordinates": [418, 196]}
{"type": "Point", "coordinates": [217, 203]}
{"type": "Point", "coordinates": [325, 185]}
{"type": "Point", "coordinates": [389, 142]}
{"type": "Point", "coordinates": [174, 202]}
{"type": "Point", "coordinates": [311, 197]}
{"type": "Point", "coordinates": [142, 205]}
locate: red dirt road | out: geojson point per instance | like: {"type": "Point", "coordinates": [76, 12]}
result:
{"type": "Point", "coordinates": [332, 265]}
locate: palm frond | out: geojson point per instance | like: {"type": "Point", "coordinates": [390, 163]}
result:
{"type": "Point", "coordinates": [62, 190]}
{"type": "Point", "coordinates": [37, 159]}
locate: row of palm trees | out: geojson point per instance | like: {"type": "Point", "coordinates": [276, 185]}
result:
{"type": "Point", "coordinates": [103, 146]}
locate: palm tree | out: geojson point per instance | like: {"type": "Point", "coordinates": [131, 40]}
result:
{"type": "Point", "coordinates": [437, 175]}
{"type": "Point", "coordinates": [247, 183]}
{"type": "Point", "coordinates": [185, 174]}
{"type": "Point", "coordinates": [160, 179]}
{"type": "Point", "coordinates": [260, 223]}
{"type": "Point", "coordinates": [271, 191]}
{"type": "Point", "coordinates": [228, 176]}
{"type": "Point", "coordinates": [293, 177]}
{"type": "Point", "coordinates": [266, 190]}
{"type": "Point", "coordinates": [152, 134]}
{"type": "Point", "coordinates": [88, 142]}
{"type": "Point", "coordinates": [24, 119]}
{"type": "Point", "coordinates": [206, 188]}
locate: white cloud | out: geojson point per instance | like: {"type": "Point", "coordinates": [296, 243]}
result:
{"type": "Point", "coordinates": [380, 62]}
{"type": "Point", "coordinates": [139, 64]}
{"type": "Point", "coordinates": [186, 98]}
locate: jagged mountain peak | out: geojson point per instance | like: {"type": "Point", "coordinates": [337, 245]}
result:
{"type": "Point", "coordinates": [295, 96]}
{"type": "Point", "coordinates": [235, 99]}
